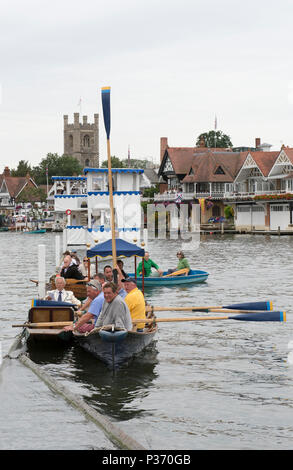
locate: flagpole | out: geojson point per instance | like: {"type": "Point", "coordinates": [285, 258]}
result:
{"type": "Point", "coordinates": [216, 131]}
{"type": "Point", "coordinates": [47, 185]}
{"type": "Point", "coordinates": [107, 122]}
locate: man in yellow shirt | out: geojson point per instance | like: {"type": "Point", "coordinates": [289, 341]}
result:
{"type": "Point", "coordinates": [135, 301]}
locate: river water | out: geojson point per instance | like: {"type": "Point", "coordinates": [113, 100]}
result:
{"type": "Point", "coordinates": [222, 384]}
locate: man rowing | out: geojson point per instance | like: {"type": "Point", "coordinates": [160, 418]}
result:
{"type": "Point", "coordinates": [148, 265]}
{"type": "Point", "coordinates": [135, 301]}
{"type": "Point", "coordinates": [88, 321]}
{"type": "Point", "coordinates": [114, 311]}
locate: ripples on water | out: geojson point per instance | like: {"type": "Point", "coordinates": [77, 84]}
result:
{"type": "Point", "coordinates": [208, 385]}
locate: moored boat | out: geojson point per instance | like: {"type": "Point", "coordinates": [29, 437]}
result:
{"type": "Point", "coordinates": [115, 346]}
{"type": "Point", "coordinates": [41, 230]}
{"type": "Point", "coordinates": [194, 276]}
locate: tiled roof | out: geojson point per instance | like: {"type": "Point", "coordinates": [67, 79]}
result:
{"type": "Point", "coordinates": [15, 184]}
{"type": "Point", "coordinates": [205, 162]}
{"type": "Point", "coordinates": [265, 160]}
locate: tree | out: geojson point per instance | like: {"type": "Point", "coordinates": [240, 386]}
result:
{"type": "Point", "coordinates": [115, 163]}
{"type": "Point", "coordinates": [32, 194]}
{"type": "Point", "coordinates": [23, 168]}
{"type": "Point", "coordinates": [57, 165]}
{"type": "Point", "coordinates": [214, 139]}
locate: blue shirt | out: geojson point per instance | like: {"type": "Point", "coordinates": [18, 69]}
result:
{"type": "Point", "coordinates": [96, 305]}
{"type": "Point", "coordinates": [122, 293]}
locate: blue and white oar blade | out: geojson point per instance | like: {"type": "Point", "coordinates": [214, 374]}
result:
{"type": "Point", "coordinates": [261, 316]}
{"type": "Point", "coordinates": [266, 305]}
{"type": "Point", "coordinates": [106, 109]}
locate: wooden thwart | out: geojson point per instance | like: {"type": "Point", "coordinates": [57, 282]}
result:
{"type": "Point", "coordinates": [178, 273]}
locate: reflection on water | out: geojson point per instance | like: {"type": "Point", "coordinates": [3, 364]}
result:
{"type": "Point", "coordinates": [108, 391]}
{"type": "Point", "coordinates": [203, 385]}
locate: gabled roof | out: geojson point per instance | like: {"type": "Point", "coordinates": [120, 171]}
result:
{"type": "Point", "coordinates": [15, 184]}
{"type": "Point", "coordinates": [206, 164]}
{"type": "Point", "coordinates": [265, 160]}
{"type": "Point", "coordinates": [180, 157]}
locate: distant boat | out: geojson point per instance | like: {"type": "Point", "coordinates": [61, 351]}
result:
{"type": "Point", "coordinates": [41, 230]}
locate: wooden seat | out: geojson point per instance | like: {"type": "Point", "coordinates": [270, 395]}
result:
{"type": "Point", "coordinates": [50, 314]}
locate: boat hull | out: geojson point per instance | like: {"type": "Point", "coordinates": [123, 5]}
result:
{"type": "Point", "coordinates": [194, 276]}
{"type": "Point", "coordinates": [115, 353]}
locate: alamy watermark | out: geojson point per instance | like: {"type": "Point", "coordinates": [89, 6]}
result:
{"type": "Point", "coordinates": [161, 221]}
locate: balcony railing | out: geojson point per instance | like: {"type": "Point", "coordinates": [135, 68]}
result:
{"type": "Point", "coordinates": [187, 196]}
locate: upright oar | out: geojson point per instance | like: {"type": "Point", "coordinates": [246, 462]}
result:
{"type": "Point", "coordinates": [261, 316]}
{"type": "Point", "coordinates": [107, 122]}
{"type": "Point", "coordinates": [247, 306]}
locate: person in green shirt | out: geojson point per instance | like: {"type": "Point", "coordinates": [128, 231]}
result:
{"type": "Point", "coordinates": [182, 263]}
{"type": "Point", "coordinates": [148, 265]}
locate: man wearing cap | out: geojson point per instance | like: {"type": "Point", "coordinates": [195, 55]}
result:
{"type": "Point", "coordinates": [135, 301]}
{"type": "Point", "coordinates": [95, 293]}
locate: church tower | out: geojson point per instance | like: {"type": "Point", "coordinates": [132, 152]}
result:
{"type": "Point", "coordinates": [81, 140]}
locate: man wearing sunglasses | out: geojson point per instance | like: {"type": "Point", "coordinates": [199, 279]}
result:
{"type": "Point", "coordinates": [88, 320]}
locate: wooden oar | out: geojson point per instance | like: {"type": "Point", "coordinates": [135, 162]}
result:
{"type": "Point", "coordinates": [107, 123]}
{"type": "Point", "coordinates": [177, 273]}
{"type": "Point", "coordinates": [260, 316]}
{"type": "Point", "coordinates": [248, 306]}
{"type": "Point", "coordinates": [44, 324]}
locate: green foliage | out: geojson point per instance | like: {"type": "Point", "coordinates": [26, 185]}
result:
{"type": "Point", "coordinates": [150, 192]}
{"type": "Point", "coordinates": [115, 163]}
{"type": "Point", "coordinates": [57, 165]}
{"type": "Point", "coordinates": [65, 165]}
{"type": "Point", "coordinates": [125, 163]}
{"type": "Point", "coordinates": [23, 168]}
{"type": "Point", "coordinates": [30, 194]}
{"type": "Point", "coordinates": [229, 212]}
{"type": "Point", "coordinates": [214, 139]}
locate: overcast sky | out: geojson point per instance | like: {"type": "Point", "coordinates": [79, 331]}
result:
{"type": "Point", "coordinates": [173, 65]}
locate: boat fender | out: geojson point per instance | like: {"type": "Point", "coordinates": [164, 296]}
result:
{"type": "Point", "coordinates": [113, 336]}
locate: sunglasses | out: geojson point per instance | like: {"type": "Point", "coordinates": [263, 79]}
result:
{"type": "Point", "coordinates": [91, 285]}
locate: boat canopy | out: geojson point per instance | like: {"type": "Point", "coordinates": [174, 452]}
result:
{"type": "Point", "coordinates": [123, 248]}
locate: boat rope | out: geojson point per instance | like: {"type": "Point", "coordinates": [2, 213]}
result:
{"type": "Point", "coordinates": [113, 432]}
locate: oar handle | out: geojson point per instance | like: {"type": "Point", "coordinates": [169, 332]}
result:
{"type": "Point", "coordinates": [43, 324]}
{"type": "Point", "coordinates": [157, 320]}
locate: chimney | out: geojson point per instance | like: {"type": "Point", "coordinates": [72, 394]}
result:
{"type": "Point", "coordinates": [164, 146]}
{"type": "Point", "coordinates": [6, 171]}
{"type": "Point", "coordinates": [257, 142]}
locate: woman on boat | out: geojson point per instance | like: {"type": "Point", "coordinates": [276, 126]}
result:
{"type": "Point", "coordinates": [182, 263]}
{"type": "Point", "coordinates": [83, 267]}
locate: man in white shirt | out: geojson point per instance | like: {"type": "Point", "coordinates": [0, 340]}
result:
{"type": "Point", "coordinates": [62, 295]}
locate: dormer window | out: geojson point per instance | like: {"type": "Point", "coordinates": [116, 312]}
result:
{"type": "Point", "coordinates": [219, 171]}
